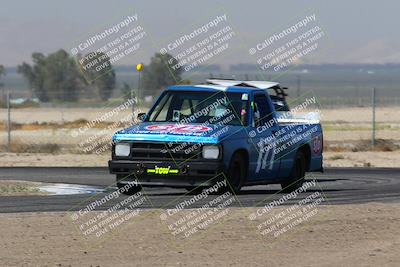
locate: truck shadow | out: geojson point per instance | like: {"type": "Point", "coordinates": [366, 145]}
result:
{"type": "Point", "coordinates": [279, 192]}
{"type": "Point", "coordinates": [250, 192]}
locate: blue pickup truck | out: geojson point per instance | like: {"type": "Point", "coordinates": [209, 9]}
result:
{"type": "Point", "coordinates": [240, 130]}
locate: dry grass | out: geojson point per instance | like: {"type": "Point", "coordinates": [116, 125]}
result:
{"type": "Point", "coordinates": [336, 157]}
{"type": "Point", "coordinates": [50, 130]}
{"type": "Point", "coordinates": [34, 126]}
{"type": "Point", "coordinates": [19, 188]}
{"type": "Point", "coordinates": [381, 145]}
{"type": "Point", "coordinates": [33, 148]}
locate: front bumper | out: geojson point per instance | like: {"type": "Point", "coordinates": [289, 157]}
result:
{"type": "Point", "coordinates": [187, 174]}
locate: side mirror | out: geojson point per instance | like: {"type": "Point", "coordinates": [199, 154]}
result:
{"type": "Point", "coordinates": [141, 116]}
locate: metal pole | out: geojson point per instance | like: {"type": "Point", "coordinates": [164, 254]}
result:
{"type": "Point", "coordinates": [139, 91]}
{"type": "Point", "coordinates": [298, 86]}
{"type": "Point", "coordinates": [133, 106]}
{"type": "Point", "coordinates": [373, 115]}
{"type": "Point", "coordinates": [8, 123]}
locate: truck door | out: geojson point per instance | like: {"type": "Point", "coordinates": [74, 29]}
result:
{"type": "Point", "coordinates": [264, 163]}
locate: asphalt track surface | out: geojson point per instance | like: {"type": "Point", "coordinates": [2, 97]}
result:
{"type": "Point", "coordinates": [336, 185]}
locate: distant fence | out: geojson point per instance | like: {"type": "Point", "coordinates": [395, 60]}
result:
{"type": "Point", "coordinates": [79, 129]}
{"type": "Point", "coordinates": [332, 88]}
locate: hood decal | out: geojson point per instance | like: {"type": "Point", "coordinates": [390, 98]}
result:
{"type": "Point", "coordinates": [164, 138]}
{"type": "Point", "coordinates": [177, 128]}
{"type": "Point", "coordinates": [170, 132]}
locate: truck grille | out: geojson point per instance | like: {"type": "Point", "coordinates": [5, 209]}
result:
{"type": "Point", "coordinates": [162, 151]}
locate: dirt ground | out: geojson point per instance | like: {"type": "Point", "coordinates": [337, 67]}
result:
{"type": "Point", "coordinates": [348, 235]}
{"type": "Point", "coordinates": [389, 159]}
{"type": "Point", "coordinates": [331, 159]}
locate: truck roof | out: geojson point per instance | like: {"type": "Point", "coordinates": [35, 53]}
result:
{"type": "Point", "coordinates": [227, 86]}
{"type": "Point", "coordinates": [210, 88]}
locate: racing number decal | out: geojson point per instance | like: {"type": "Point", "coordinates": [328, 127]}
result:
{"type": "Point", "coordinates": [264, 153]}
{"type": "Point", "coordinates": [173, 128]}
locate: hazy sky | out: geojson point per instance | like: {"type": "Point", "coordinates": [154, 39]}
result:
{"type": "Point", "coordinates": [356, 31]}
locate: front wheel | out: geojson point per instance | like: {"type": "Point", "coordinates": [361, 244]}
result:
{"type": "Point", "coordinates": [297, 174]}
{"type": "Point", "coordinates": [236, 173]}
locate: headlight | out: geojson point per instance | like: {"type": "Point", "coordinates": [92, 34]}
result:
{"type": "Point", "coordinates": [122, 149]}
{"type": "Point", "coordinates": [210, 152]}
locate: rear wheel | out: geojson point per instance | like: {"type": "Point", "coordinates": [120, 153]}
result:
{"type": "Point", "coordinates": [297, 174]}
{"type": "Point", "coordinates": [128, 187]}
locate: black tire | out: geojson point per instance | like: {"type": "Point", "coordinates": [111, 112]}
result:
{"type": "Point", "coordinates": [297, 174]}
{"type": "Point", "coordinates": [236, 174]}
{"type": "Point", "coordinates": [131, 190]}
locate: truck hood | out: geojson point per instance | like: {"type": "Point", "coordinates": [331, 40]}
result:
{"type": "Point", "coordinates": [173, 132]}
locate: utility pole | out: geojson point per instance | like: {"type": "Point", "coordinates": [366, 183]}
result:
{"type": "Point", "coordinates": [139, 68]}
{"type": "Point", "coordinates": [373, 115]}
{"type": "Point", "coordinates": [8, 123]}
{"type": "Point", "coordinates": [133, 106]}
{"type": "Point", "coordinates": [140, 93]}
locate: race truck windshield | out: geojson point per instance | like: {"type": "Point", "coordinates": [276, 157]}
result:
{"type": "Point", "coordinates": [201, 107]}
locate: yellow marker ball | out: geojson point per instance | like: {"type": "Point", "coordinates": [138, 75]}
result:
{"type": "Point", "coordinates": [139, 67]}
